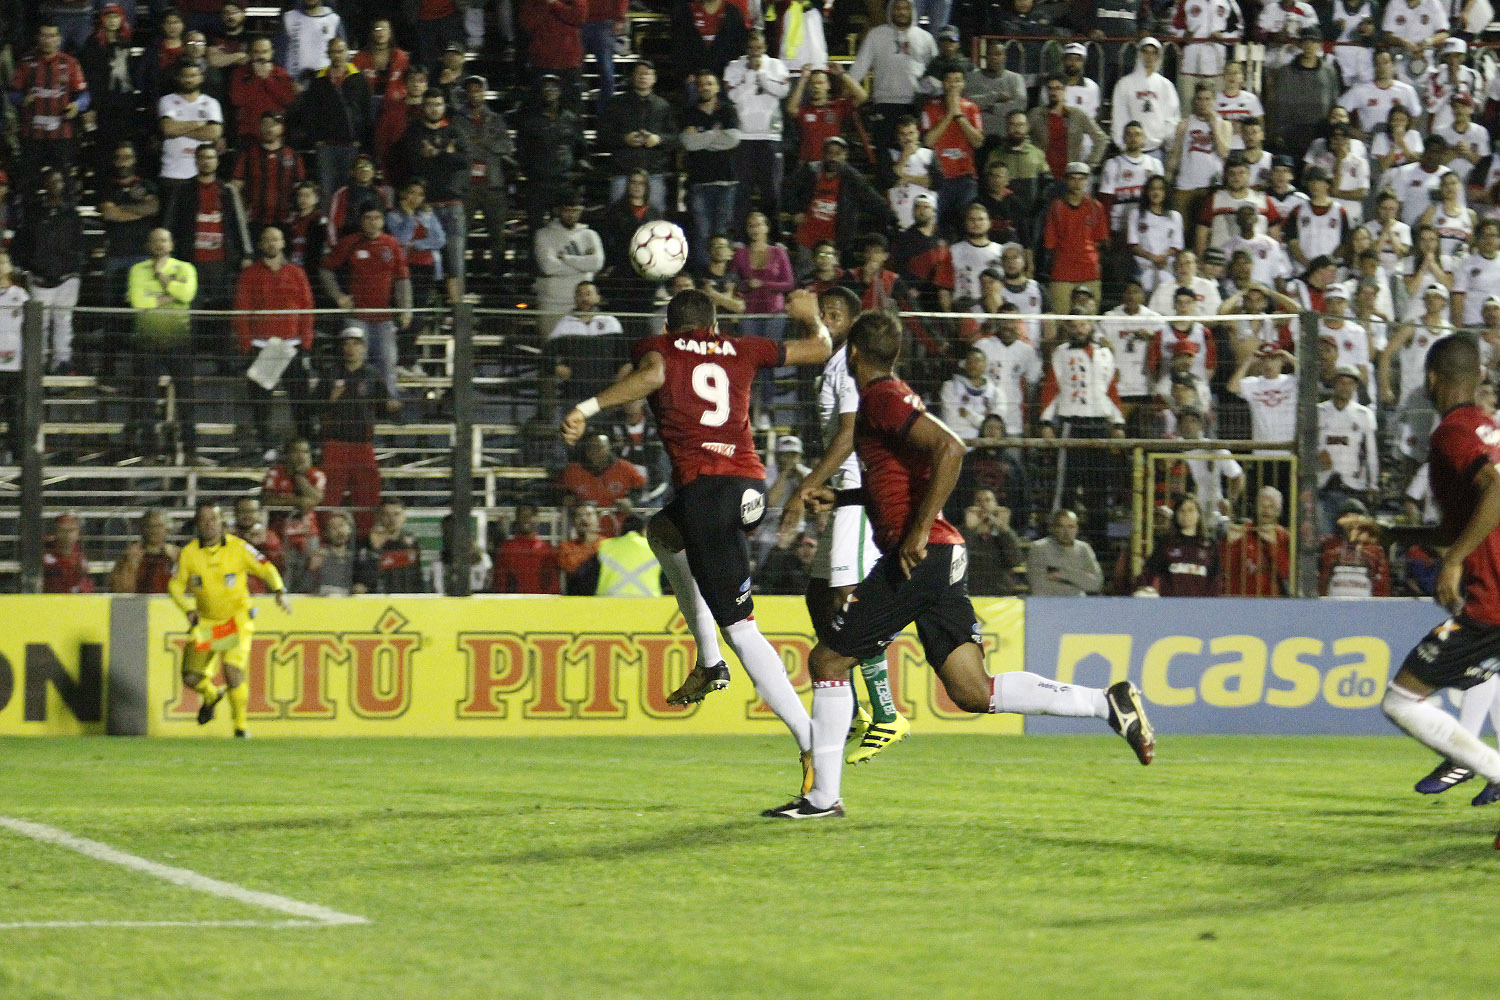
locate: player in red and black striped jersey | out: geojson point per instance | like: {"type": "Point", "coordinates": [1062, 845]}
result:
{"type": "Point", "coordinates": [698, 382]}
{"type": "Point", "coordinates": [911, 464]}
{"type": "Point", "coordinates": [1464, 471]}
{"type": "Point", "coordinates": [51, 92]}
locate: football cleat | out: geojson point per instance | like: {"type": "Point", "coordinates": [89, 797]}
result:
{"type": "Point", "coordinates": [807, 771]}
{"type": "Point", "coordinates": [859, 725]}
{"type": "Point", "coordinates": [241, 734]}
{"type": "Point", "coordinates": [206, 710]}
{"type": "Point", "coordinates": [1488, 795]}
{"type": "Point", "coordinates": [701, 682]}
{"type": "Point", "coordinates": [1127, 716]}
{"type": "Point", "coordinates": [1443, 777]}
{"type": "Point", "coordinates": [879, 736]}
{"type": "Point", "coordinates": [803, 809]}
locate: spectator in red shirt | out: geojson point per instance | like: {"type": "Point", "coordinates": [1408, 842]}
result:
{"type": "Point", "coordinates": [555, 44]}
{"type": "Point", "coordinates": [247, 519]}
{"type": "Point", "coordinates": [291, 493]}
{"type": "Point", "coordinates": [378, 280]}
{"type": "Point", "coordinates": [207, 221]}
{"type": "Point", "coordinates": [1257, 559]}
{"type": "Point", "coordinates": [148, 562]}
{"type": "Point", "coordinates": [831, 201]}
{"type": "Point", "coordinates": [1077, 225]}
{"type": "Point", "coordinates": [952, 128]}
{"type": "Point", "coordinates": [601, 478]}
{"type": "Point", "coordinates": [1352, 562]}
{"type": "Point", "coordinates": [266, 173]}
{"type": "Point", "coordinates": [383, 65]}
{"type": "Point", "coordinates": [65, 568]}
{"type": "Point", "coordinates": [821, 115]}
{"type": "Point", "coordinates": [275, 283]}
{"type": "Point", "coordinates": [525, 563]}
{"type": "Point", "coordinates": [257, 87]}
{"type": "Point", "coordinates": [52, 93]}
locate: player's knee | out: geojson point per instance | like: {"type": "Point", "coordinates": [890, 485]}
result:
{"type": "Point", "coordinates": [662, 533]}
{"type": "Point", "coordinates": [826, 665]}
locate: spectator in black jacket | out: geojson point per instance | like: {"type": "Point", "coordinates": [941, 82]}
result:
{"type": "Point", "coordinates": [334, 116]}
{"type": "Point", "coordinates": [692, 51]}
{"type": "Point", "coordinates": [129, 207]}
{"type": "Point", "coordinates": [488, 139]}
{"type": "Point", "coordinates": [49, 245]}
{"type": "Point", "coordinates": [207, 221]}
{"type": "Point", "coordinates": [857, 205]}
{"type": "Point", "coordinates": [391, 561]}
{"type": "Point", "coordinates": [109, 69]}
{"type": "Point", "coordinates": [434, 152]}
{"type": "Point", "coordinates": [641, 133]}
{"type": "Point", "coordinates": [550, 147]}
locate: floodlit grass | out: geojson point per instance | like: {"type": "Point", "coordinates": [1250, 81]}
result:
{"type": "Point", "coordinates": [997, 867]}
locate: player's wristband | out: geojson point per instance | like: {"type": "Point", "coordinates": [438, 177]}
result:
{"type": "Point", "coordinates": [821, 332]}
{"type": "Point", "coordinates": [588, 407]}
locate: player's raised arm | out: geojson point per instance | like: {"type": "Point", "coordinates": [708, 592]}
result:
{"type": "Point", "coordinates": [946, 452]}
{"type": "Point", "coordinates": [802, 306]}
{"type": "Point", "coordinates": [647, 377]}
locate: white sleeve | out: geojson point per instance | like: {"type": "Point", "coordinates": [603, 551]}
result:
{"type": "Point", "coordinates": [215, 111]}
{"type": "Point", "coordinates": [846, 393]}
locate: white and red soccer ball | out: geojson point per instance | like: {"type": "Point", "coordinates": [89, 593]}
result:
{"type": "Point", "coordinates": [658, 250]}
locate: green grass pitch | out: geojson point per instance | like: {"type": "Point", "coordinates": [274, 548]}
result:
{"type": "Point", "coordinates": [1244, 867]}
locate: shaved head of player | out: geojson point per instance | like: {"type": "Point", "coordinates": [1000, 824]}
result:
{"type": "Point", "coordinates": [1464, 651]}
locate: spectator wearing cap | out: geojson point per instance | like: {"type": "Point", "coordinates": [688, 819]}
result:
{"type": "Point", "coordinates": [50, 92]}
{"type": "Point", "coordinates": [640, 132]}
{"type": "Point", "coordinates": [1319, 226]}
{"type": "Point", "coordinates": [1369, 104]}
{"type": "Point", "coordinates": [487, 137]}
{"type": "Point", "coordinates": [1417, 183]}
{"type": "Point", "coordinates": [109, 71]}
{"type": "Point", "coordinates": [274, 283]}
{"type": "Point", "coordinates": [1271, 395]}
{"type": "Point", "coordinates": [354, 397]}
{"type": "Point", "coordinates": [448, 75]}
{"type": "Point", "coordinates": [896, 54]}
{"type": "Point", "coordinates": [1447, 78]}
{"type": "Point", "coordinates": [440, 29]}
{"type": "Point", "coordinates": [1281, 25]}
{"type": "Point", "coordinates": [434, 152]}
{"type": "Point", "coordinates": [997, 91]}
{"type": "Point", "coordinates": [1205, 27]}
{"type": "Point", "coordinates": [1299, 93]}
{"type": "Point", "coordinates": [707, 35]}
{"type": "Point", "coordinates": [566, 252]}
{"type": "Point", "coordinates": [334, 115]}
{"type": "Point", "coordinates": [258, 86]}
{"type": "Point", "coordinates": [1348, 456]}
{"type": "Point", "coordinates": [1078, 90]}
{"type": "Point", "coordinates": [951, 128]}
{"type": "Point", "coordinates": [377, 281]}
{"type": "Point", "coordinates": [1064, 132]}
{"type": "Point", "coordinates": [266, 173]}
{"type": "Point", "coordinates": [1355, 346]}
{"type": "Point", "coordinates": [1408, 347]}
{"type": "Point", "coordinates": [161, 289]}
{"type": "Point", "coordinates": [757, 83]}
{"type": "Point", "coordinates": [1468, 141]}
{"type": "Point", "coordinates": [550, 148]}
{"type": "Point", "coordinates": [65, 567]}
{"type": "Point", "coordinates": [922, 258]}
{"type": "Point", "coordinates": [784, 480]}
{"type": "Point", "coordinates": [1477, 276]}
{"type": "Point", "coordinates": [309, 28]}
{"type": "Point", "coordinates": [1145, 96]}
{"type": "Point", "coordinates": [1195, 157]}
{"type": "Point", "coordinates": [1076, 227]}
{"type": "Point", "coordinates": [383, 64]}
{"type": "Point", "coordinates": [1351, 561]}
{"type": "Point", "coordinates": [830, 200]}
{"type": "Point", "coordinates": [49, 247]}
{"type": "Point", "coordinates": [950, 56]}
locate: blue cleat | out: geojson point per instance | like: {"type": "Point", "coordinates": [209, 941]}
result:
{"type": "Point", "coordinates": [1443, 777]}
{"type": "Point", "coordinates": [1488, 795]}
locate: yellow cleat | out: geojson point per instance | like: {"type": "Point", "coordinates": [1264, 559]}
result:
{"type": "Point", "coordinates": [860, 725]}
{"type": "Point", "coordinates": [879, 736]}
{"type": "Point", "coordinates": [807, 772]}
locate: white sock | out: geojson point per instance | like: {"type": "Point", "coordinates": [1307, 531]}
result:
{"type": "Point", "coordinates": [1495, 708]}
{"type": "Point", "coordinates": [1440, 731]}
{"type": "Point", "coordinates": [700, 621]}
{"type": "Point", "coordinates": [833, 702]}
{"type": "Point", "coordinates": [1032, 694]}
{"type": "Point", "coordinates": [1479, 701]}
{"type": "Point", "coordinates": [768, 672]}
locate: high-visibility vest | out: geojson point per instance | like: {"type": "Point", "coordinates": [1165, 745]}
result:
{"type": "Point", "coordinates": [628, 567]}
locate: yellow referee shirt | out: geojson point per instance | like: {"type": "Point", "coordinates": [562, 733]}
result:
{"type": "Point", "coordinates": [214, 581]}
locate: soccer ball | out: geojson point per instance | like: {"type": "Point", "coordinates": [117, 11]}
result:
{"type": "Point", "coordinates": [658, 250]}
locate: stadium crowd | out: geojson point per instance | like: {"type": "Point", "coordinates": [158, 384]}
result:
{"type": "Point", "coordinates": [1139, 167]}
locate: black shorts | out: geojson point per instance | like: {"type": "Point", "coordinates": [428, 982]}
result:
{"type": "Point", "coordinates": [936, 597]}
{"type": "Point", "coordinates": [1459, 653]}
{"type": "Point", "coordinates": [714, 514]}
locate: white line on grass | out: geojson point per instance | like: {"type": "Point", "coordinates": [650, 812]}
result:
{"type": "Point", "coordinates": [312, 914]}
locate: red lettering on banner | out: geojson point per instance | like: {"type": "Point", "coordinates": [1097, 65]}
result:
{"type": "Point", "coordinates": [547, 670]}
{"type": "Point", "coordinates": [794, 650]}
{"type": "Point", "coordinates": [307, 652]}
{"type": "Point", "coordinates": [380, 678]}
{"type": "Point", "coordinates": [657, 681]}
{"type": "Point", "coordinates": [482, 653]}
{"type": "Point", "coordinates": [599, 652]}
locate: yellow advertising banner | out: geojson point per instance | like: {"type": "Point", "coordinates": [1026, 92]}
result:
{"type": "Point", "coordinates": [524, 666]}
{"type": "Point", "coordinates": [53, 652]}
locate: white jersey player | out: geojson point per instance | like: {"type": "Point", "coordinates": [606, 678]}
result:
{"type": "Point", "coordinates": [1014, 366]}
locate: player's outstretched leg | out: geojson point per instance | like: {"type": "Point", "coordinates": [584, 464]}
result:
{"type": "Point", "coordinates": [195, 665]}
{"type": "Point", "coordinates": [1405, 705]}
{"type": "Point", "coordinates": [833, 700]}
{"type": "Point", "coordinates": [239, 700]}
{"type": "Point", "coordinates": [887, 726]}
{"type": "Point", "coordinates": [709, 673]}
{"type": "Point", "coordinates": [1478, 702]}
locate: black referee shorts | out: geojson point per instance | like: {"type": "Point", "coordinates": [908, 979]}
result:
{"type": "Point", "coordinates": [936, 597]}
{"type": "Point", "coordinates": [714, 514]}
{"type": "Point", "coordinates": [1459, 653]}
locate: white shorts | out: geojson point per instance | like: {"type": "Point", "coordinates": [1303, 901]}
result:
{"type": "Point", "coordinates": [846, 549]}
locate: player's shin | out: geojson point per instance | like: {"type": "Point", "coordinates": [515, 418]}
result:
{"type": "Point", "coordinates": [239, 700]}
{"type": "Point", "coordinates": [768, 673]}
{"type": "Point", "coordinates": [1032, 694]}
{"type": "Point", "coordinates": [1439, 731]}
{"type": "Point", "coordinates": [877, 676]}
{"type": "Point", "coordinates": [700, 621]}
{"type": "Point", "coordinates": [832, 702]}
{"type": "Point", "coordinates": [1478, 702]}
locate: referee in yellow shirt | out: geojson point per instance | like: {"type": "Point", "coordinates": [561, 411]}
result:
{"type": "Point", "coordinates": [211, 587]}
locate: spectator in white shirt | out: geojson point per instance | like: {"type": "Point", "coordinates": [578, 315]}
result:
{"type": "Point", "coordinates": [757, 83]}
{"type": "Point", "coordinates": [1415, 26]}
{"type": "Point", "coordinates": [969, 396]}
{"type": "Point", "coordinates": [309, 29]}
{"type": "Point", "coordinates": [1369, 104]}
{"type": "Point", "coordinates": [1477, 276]}
{"type": "Point", "coordinates": [1185, 275]}
{"type": "Point", "coordinates": [1145, 96]}
{"type": "Point", "coordinates": [1468, 141]}
{"type": "Point", "coordinates": [1280, 26]}
{"type": "Point", "coordinates": [1129, 330]}
{"type": "Point", "coordinates": [1014, 366]}
{"type": "Point", "coordinates": [188, 119]}
{"type": "Point", "coordinates": [1348, 457]}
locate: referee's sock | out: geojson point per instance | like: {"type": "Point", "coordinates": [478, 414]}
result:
{"type": "Point", "coordinates": [832, 703]}
{"type": "Point", "coordinates": [1436, 729]}
{"type": "Point", "coordinates": [768, 672]}
{"type": "Point", "coordinates": [700, 621]}
{"type": "Point", "coordinates": [877, 674]}
{"type": "Point", "coordinates": [239, 700]}
{"type": "Point", "coordinates": [1032, 694]}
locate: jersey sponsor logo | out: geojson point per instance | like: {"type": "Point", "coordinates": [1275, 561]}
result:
{"type": "Point", "coordinates": [720, 448]}
{"type": "Point", "coordinates": [1489, 435]}
{"type": "Point", "coordinates": [723, 347]}
{"type": "Point", "coordinates": [959, 565]}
